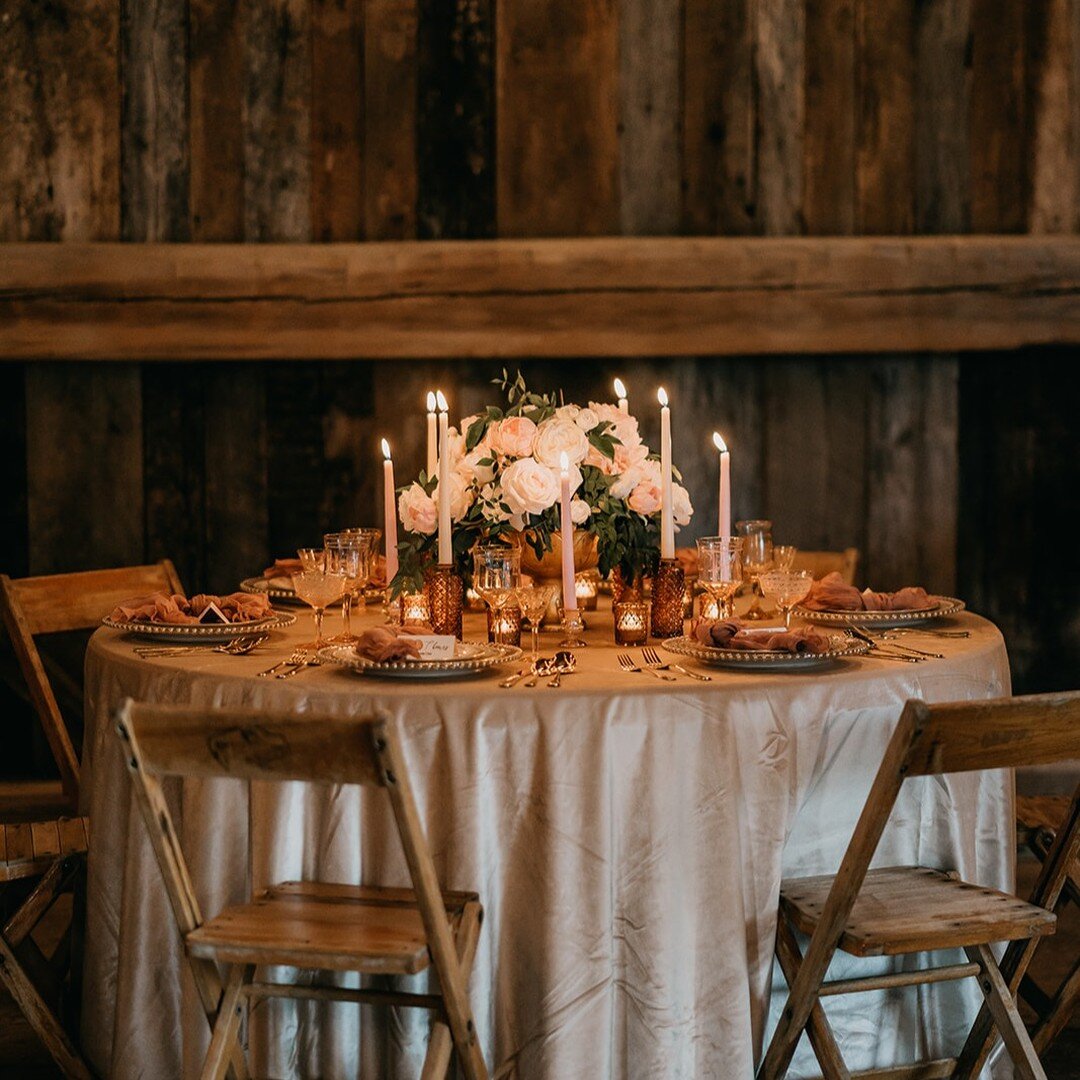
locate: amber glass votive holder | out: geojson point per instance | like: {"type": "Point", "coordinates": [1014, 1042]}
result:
{"type": "Point", "coordinates": [504, 625]}
{"type": "Point", "coordinates": [631, 622]}
{"type": "Point", "coordinates": [413, 609]}
{"type": "Point", "coordinates": [445, 592]}
{"type": "Point", "coordinates": [668, 588]}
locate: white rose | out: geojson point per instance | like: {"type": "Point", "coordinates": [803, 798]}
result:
{"type": "Point", "coordinates": [471, 469]}
{"type": "Point", "coordinates": [579, 511]}
{"type": "Point", "coordinates": [529, 487]}
{"type": "Point", "coordinates": [681, 508]}
{"type": "Point", "coordinates": [586, 419]}
{"type": "Point", "coordinates": [455, 441]}
{"type": "Point", "coordinates": [567, 412]}
{"type": "Point", "coordinates": [557, 437]}
{"type": "Point", "coordinates": [417, 510]}
{"type": "Point", "coordinates": [461, 496]}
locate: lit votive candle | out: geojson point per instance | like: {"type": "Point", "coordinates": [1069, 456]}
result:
{"type": "Point", "coordinates": [709, 608]}
{"type": "Point", "coordinates": [414, 609]}
{"type": "Point", "coordinates": [504, 625]}
{"type": "Point", "coordinates": [585, 588]}
{"type": "Point", "coordinates": [631, 622]}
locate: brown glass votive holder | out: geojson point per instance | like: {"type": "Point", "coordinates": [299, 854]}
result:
{"type": "Point", "coordinates": [504, 625]}
{"type": "Point", "coordinates": [631, 622]}
{"type": "Point", "coordinates": [668, 587]}
{"type": "Point", "coordinates": [445, 594]}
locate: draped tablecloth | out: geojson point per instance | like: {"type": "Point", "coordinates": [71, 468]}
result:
{"type": "Point", "coordinates": [627, 838]}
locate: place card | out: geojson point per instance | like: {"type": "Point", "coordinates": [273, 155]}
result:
{"type": "Point", "coordinates": [435, 646]}
{"type": "Point", "coordinates": [212, 614]}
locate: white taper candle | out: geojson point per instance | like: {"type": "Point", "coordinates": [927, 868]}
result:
{"type": "Point", "coordinates": [566, 531]}
{"type": "Point", "coordinates": [446, 546]}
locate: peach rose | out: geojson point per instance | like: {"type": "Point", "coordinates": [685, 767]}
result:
{"type": "Point", "coordinates": [513, 437]}
{"type": "Point", "coordinates": [417, 510]}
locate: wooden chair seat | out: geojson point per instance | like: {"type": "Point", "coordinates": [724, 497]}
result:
{"type": "Point", "coordinates": [28, 849]}
{"type": "Point", "coordinates": [376, 931]}
{"type": "Point", "coordinates": [905, 909]}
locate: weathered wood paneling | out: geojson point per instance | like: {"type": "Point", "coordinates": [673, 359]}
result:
{"type": "Point", "coordinates": [557, 108]}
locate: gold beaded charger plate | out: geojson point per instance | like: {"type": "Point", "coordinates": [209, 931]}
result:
{"type": "Point", "coordinates": [762, 660]}
{"type": "Point", "coordinates": [262, 587]}
{"type": "Point", "coordinates": [196, 633]}
{"type": "Point", "coordinates": [883, 620]}
{"type": "Point", "coordinates": [469, 658]}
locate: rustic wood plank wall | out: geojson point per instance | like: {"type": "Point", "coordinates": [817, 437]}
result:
{"type": "Point", "coordinates": [344, 120]}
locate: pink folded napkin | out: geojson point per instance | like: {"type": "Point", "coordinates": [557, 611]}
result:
{"type": "Point", "coordinates": [385, 643]}
{"type": "Point", "coordinates": [283, 568]}
{"type": "Point", "coordinates": [179, 610]}
{"type": "Point", "coordinates": [832, 593]}
{"type": "Point", "coordinates": [732, 634]}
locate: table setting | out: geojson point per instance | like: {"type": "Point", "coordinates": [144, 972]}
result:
{"type": "Point", "coordinates": [713, 722]}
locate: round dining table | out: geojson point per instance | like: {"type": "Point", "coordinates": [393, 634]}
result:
{"type": "Point", "coordinates": [627, 837]}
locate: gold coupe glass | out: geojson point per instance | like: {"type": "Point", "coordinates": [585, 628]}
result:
{"type": "Point", "coordinates": [318, 589]}
{"type": "Point", "coordinates": [786, 588]}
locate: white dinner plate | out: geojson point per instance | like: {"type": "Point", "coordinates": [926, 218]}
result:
{"type": "Point", "coordinates": [882, 620]}
{"type": "Point", "coordinates": [754, 660]}
{"type": "Point", "coordinates": [211, 633]}
{"type": "Point", "coordinates": [469, 658]}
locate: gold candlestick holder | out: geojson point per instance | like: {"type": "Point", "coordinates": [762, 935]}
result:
{"type": "Point", "coordinates": [668, 590]}
{"type": "Point", "coordinates": [445, 594]}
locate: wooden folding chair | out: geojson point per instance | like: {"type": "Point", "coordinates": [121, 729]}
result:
{"type": "Point", "coordinates": [52, 605]}
{"type": "Point", "coordinates": [328, 927]}
{"type": "Point", "coordinates": [38, 836]}
{"type": "Point", "coordinates": [910, 909]}
{"type": "Point", "coordinates": [1041, 819]}
{"type": "Point", "coordinates": [820, 563]}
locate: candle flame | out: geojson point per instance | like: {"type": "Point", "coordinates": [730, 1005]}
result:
{"type": "Point", "coordinates": [661, 396]}
{"type": "Point", "coordinates": [620, 388]}
{"type": "Point", "coordinates": [719, 443]}
{"type": "Point", "coordinates": [564, 462]}
{"type": "Point", "coordinates": [441, 399]}
{"type": "Point", "coordinates": [386, 449]}
{"type": "Point", "coordinates": [431, 401]}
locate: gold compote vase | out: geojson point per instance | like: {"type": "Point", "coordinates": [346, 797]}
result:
{"type": "Point", "coordinates": [548, 569]}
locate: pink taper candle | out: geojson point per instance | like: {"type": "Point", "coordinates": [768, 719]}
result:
{"type": "Point", "coordinates": [389, 513]}
{"type": "Point", "coordinates": [724, 522]}
{"type": "Point", "coordinates": [566, 530]}
{"type": "Point", "coordinates": [432, 453]}
{"type": "Point", "coordinates": [620, 393]}
{"type": "Point", "coordinates": [667, 516]}
{"type": "Point", "coordinates": [446, 546]}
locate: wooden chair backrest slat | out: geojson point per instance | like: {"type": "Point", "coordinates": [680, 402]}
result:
{"type": "Point", "coordinates": [821, 563]}
{"type": "Point", "coordinates": [79, 601]}
{"type": "Point", "coordinates": [1004, 733]}
{"type": "Point", "coordinates": [188, 741]}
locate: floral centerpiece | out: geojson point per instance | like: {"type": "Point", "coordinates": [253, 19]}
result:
{"type": "Point", "coordinates": [505, 477]}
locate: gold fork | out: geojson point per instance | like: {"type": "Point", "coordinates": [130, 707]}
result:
{"type": "Point", "coordinates": [654, 661]}
{"type": "Point", "coordinates": [296, 658]}
{"type": "Point", "coordinates": [626, 662]}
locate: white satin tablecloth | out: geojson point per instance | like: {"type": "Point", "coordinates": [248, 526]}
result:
{"type": "Point", "coordinates": [627, 838]}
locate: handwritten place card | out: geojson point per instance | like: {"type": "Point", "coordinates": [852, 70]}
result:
{"type": "Point", "coordinates": [435, 646]}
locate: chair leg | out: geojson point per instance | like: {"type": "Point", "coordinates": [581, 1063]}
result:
{"type": "Point", "coordinates": [40, 1017]}
{"type": "Point", "coordinates": [227, 1023]}
{"type": "Point", "coordinates": [1057, 1016]}
{"type": "Point", "coordinates": [821, 1036]}
{"type": "Point", "coordinates": [441, 1043]}
{"type": "Point", "coordinates": [1005, 1014]}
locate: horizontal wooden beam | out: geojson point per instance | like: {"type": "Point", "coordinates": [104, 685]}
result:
{"type": "Point", "coordinates": [516, 298]}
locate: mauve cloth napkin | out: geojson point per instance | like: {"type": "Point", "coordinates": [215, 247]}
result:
{"type": "Point", "coordinates": [385, 643]}
{"type": "Point", "coordinates": [731, 634]}
{"type": "Point", "coordinates": [832, 593]}
{"type": "Point", "coordinates": [161, 608]}
{"type": "Point", "coordinates": [283, 568]}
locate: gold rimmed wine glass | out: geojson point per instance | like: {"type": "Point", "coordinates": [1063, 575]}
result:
{"type": "Point", "coordinates": [496, 576]}
{"type": "Point", "coordinates": [783, 556]}
{"type": "Point", "coordinates": [533, 601]}
{"type": "Point", "coordinates": [786, 588]}
{"type": "Point", "coordinates": [720, 570]}
{"type": "Point", "coordinates": [757, 556]}
{"type": "Point", "coordinates": [347, 557]}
